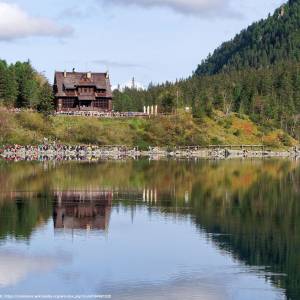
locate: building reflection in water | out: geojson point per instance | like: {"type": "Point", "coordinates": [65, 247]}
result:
{"type": "Point", "coordinates": [150, 195]}
{"type": "Point", "coordinates": [91, 210]}
{"type": "Point", "coordinates": [83, 210]}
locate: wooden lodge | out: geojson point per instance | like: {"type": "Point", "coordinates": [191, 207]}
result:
{"type": "Point", "coordinates": [77, 91]}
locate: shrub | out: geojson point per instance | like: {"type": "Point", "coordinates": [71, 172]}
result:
{"type": "Point", "coordinates": [30, 120]}
{"type": "Point", "coordinates": [227, 123]}
{"type": "Point", "coordinates": [216, 141]}
{"type": "Point", "coordinates": [5, 126]}
{"type": "Point", "coordinates": [237, 132]}
{"type": "Point", "coordinates": [285, 139]}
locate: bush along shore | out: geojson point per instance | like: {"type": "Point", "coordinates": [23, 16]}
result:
{"type": "Point", "coordinates": [83, 153]}
{"type": "Point", "coordinates": [31, 128]}
{"type": "Point", "coordinates": [32, 136]}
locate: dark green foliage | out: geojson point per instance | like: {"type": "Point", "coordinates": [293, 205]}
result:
{"type": "Point", "coordinates": [134, 99]}
{"type": "Point", "coordinates": [20, 85]}
{"type": "Point", "coordinates": [8, 84]}
{"type": "Point", "coordinates": [262, 44]}
{"type": "Point", "coordinates": [167, 101]}
{"type": "Point", "coordinates": [27, 85]}
{"type": "Point", "coordinates": [46, 98]}
{"type": "Point", "coordinates": [11, 92]}
{"type": "Point", "coordinates": [127, 101]}
{"type": "Point", "coordinates": [270, 96]}
{"type": "Point", "coordinates": [257, 74]}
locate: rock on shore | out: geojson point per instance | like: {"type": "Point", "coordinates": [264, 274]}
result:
{"type": "Point", "coordinates": [117, 152]}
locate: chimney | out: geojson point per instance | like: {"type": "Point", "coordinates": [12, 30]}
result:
{"type": "Point", "coordinates": [88, 75]}
{"type": "Point", "coordinates": [65, 74]}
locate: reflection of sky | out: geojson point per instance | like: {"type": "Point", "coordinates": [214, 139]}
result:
{"type": "Point", "coordinates": [145, 258]}
{"type": "Point", "coordinates": [15, 267]}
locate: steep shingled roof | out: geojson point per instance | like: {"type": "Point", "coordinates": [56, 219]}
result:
{"type": "Point", "coordinates": [75, 79]}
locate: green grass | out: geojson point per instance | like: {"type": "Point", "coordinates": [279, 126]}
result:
{"type": "Point", "coordinates": [33, 128]}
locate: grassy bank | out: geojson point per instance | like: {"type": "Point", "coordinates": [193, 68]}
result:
{"type": "Point", "coordinates": [32, 128]}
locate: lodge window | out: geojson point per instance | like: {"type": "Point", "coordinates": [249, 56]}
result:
{"type": "Point", "coordinates": [68, 103]}
{"type": "Point", "coordinates": [101, 103]}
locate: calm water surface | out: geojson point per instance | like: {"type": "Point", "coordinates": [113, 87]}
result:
{"type": "Point", "coordinates": [151, 230]}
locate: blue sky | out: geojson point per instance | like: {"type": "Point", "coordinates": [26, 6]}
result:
{"type": "Point", "coordinates": [152, 40]}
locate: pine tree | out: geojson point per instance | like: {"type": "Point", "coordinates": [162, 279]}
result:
{"type": "Point", "coordinates": [25, 76]}
{"type": "Point", "coordinates": [46, 98]}
{"type": "Point", "coordinates": [11, 87]}
{"type": "Point", "coordinates": [167, 101]}
{"type": "Point", "coordinates": [3, 74]}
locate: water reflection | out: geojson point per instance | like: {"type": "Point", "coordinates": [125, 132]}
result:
{"type": "Point", "coordinates": [82, 210]}
{"type": "Point", "coordinates": [16, 266]}
{"type": "Point", "coordinates": [248, 209]}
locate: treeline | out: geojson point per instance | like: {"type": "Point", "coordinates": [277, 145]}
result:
{"type": "Point", "coordinates": [256, 73]}
{"type": "Point", "coordinates": [165, 95]}
{"type": "Point", "coordinates": [270, 96]}
{"type": "Point", "coordinates": [262, 44]}
{"type": "Point", "coordinates": [21, 86]}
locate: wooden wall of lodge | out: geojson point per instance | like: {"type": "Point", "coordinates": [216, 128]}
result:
{"type": "Point", "coordinates": [60, 107]}
{"type": "Point", "coordinates": [100, 95]}
{"type": "Point", "coordinates": [74, 93]}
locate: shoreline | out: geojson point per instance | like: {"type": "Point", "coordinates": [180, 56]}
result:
{"type": "Point", "coordinates": [87, 153]}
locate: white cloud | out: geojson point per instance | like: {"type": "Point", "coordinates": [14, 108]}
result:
{"type": "Point", "coordinates": [193, 7]}
{"type": "Point", "coordinates": [77, 12]}
{"type": "Point", "coordinates": [16, 23]}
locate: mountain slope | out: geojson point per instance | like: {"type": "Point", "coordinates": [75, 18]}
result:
{"type": "Point", "coordinates": [257, 74]}
{"type": "Point", "coordinates": [31, 128]}
{"type": "Point", "coordinates": [264, 43]}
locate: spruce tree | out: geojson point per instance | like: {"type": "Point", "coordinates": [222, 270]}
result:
{"type": "Point", "coordinates": [3, 74]}
{"type": "Point", "coordinates": [11, 87]}
{"type": "Point", "coordinates": [46, 99]}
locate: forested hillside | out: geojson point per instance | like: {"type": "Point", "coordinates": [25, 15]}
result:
{"type": "Point", "coordinates": [257, 74]}
{"type": "Point", "coordinates": [262, 44]}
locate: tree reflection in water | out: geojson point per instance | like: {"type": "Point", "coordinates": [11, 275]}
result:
{"type": "Point", "coordinates": [248, 208]}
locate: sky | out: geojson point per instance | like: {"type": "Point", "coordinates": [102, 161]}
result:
{"type": "Point", "coordinates": [151, 40]}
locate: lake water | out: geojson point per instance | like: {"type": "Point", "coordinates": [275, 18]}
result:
{"type": "Point", "coordinates": [151, 229]}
